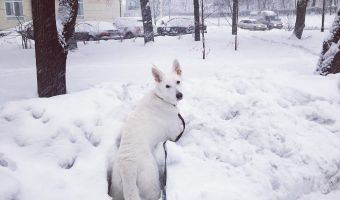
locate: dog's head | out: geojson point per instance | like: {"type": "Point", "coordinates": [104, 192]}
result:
{"type": "Point", "coordinates": [168, 87]}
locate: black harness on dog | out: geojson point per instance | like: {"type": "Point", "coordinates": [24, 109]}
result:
{"type": "Point", "coordinates": [166, 155]}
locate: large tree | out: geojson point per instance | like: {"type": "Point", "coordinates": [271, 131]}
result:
{"type": "Point", "coordinates": [147, 21]}
{"type": "Point", "coordinates": [329, 61]}
{"type": "Point", "coordinates": [50, 48]}
{"type": "Point", "coordinates": [197, 20]}
{"type": "Point", "coordinates": [300, 18]}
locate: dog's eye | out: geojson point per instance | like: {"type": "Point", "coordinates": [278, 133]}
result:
{"type": "Point", "coordinates": [178, 82]}
{"type": "Point", "coordinates": [168, 86]}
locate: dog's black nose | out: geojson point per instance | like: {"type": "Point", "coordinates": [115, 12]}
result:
{"type": "Point", "coordinates": [179, 96]}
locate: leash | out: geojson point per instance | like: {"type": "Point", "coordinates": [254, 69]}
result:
{"type": "Point", "coordinates": [166, 155]}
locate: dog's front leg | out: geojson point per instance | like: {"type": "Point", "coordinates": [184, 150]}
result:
{"type": "Point", "coordinates": [128, 172]}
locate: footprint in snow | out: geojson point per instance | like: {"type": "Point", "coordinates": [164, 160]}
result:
{"type": "Point", "coordinates": [88, 133]}
{"type": "Point", "coordinates": [37, 113]}
{"type": "Point", "coordinates": [319, 119]}
{"type": "Point", "coordinates": [6, 162]}
{"type": "Point", "coordinates": [68, 164]}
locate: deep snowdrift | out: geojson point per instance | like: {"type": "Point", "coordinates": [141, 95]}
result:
{"type": "Point", "coordinates": [260, 125]}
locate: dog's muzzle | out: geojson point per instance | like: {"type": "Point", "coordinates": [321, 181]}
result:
{"type": "Point", "coordinates": [179, 96]}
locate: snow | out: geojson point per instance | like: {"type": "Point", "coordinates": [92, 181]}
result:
{"type": "Point", "coordinates": [260, 124]}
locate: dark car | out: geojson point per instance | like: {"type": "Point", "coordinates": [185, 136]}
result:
{"type": "Point", "coordinates": [177, 26]}
{"type": "Point", "coordinates": [269, 18]}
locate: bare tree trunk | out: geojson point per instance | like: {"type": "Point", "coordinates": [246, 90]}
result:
{"type": "Point", "coordinates": [323, 16]}
{"type": "Point", "coordinates": [300, 18]}
{"type": "Point", "coordinates": [235, 21]}
{"type": "Point", "coordinates": [147, 21]}
{"type": "Point", "coordinates": [202, 30]}
{"type": "Point", "coordinates": [329, 61]}
{"type": "Point", "coordinates": [49, 53]}
{"type": "Point", "coordinates": [197, 20]}
{"type": "Point", "coordinates": [50, 49]}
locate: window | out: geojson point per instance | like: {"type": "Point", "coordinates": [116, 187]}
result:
{"type": "Point", "coordinates": [14, 8]}
{"type": "Point", "coordinates": [133, 4]}
{"type": "Point", "coordinates": [80, 9]}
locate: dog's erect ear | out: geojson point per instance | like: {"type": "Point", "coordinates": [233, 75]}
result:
{"type": "Point", "coordinates": [157, 74]}
{"type": "Point", "coordinates": [177, 67]}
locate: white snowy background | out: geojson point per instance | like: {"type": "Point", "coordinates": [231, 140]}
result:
{"type": "Point", "coordinates": [260, 124]}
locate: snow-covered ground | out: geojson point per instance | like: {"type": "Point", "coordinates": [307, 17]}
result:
{"type": "Point", "coordinates": [260, 124]}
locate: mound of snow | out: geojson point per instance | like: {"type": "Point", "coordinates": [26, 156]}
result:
{"type": "Point", "coordinates": [246, 138]}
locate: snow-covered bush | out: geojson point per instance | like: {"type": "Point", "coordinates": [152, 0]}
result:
{"type": "Point", "coordinates": [329, 61]}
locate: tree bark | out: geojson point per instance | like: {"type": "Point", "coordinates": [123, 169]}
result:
{"type": "Point", "coordinates": [300, 18]}
{"type": "Point", "coordinates": [49, 53]}
{"type": "Point", "coordinates": [147, 21]}
{"type": "Point", "coordinates": [197, 20]}
{"type": "Point", "coordinates": [202, 30]}
{"type": "Point", "coordinates": [50, 48]}
{"type": "Point", "coordinates": [235, 21]}
{"type": "Point", "coordinates": [329, 61]}
{"type": "Point", "coordinates": [68, 11]}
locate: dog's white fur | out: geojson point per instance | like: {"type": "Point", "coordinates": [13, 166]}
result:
{"type": "Point", "coordinates": [135, 174]}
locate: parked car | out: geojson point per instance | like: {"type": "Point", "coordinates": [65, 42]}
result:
{"type": "Point", "coordinates": [269, 18]}
{"type": "Point", "coordinates": [252, 24]}
{"type": "Point", "coordinates": [95, 30]}
{"type": "Point", "coordinates": [85, 31]}
{"type": "Point", "coordinates": [177, 26]}
{"type": "Point", "coordinates": [129, 27]}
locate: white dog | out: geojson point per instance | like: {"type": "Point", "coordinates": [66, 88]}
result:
{"type": "Point", "coordinates": [135, 173]}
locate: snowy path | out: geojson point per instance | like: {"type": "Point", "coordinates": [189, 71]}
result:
{"type": "Point", "coordinates": [260, 124]}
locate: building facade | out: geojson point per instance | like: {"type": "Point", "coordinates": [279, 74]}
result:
{"type": "Point", "coordinates": [89, 10]}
